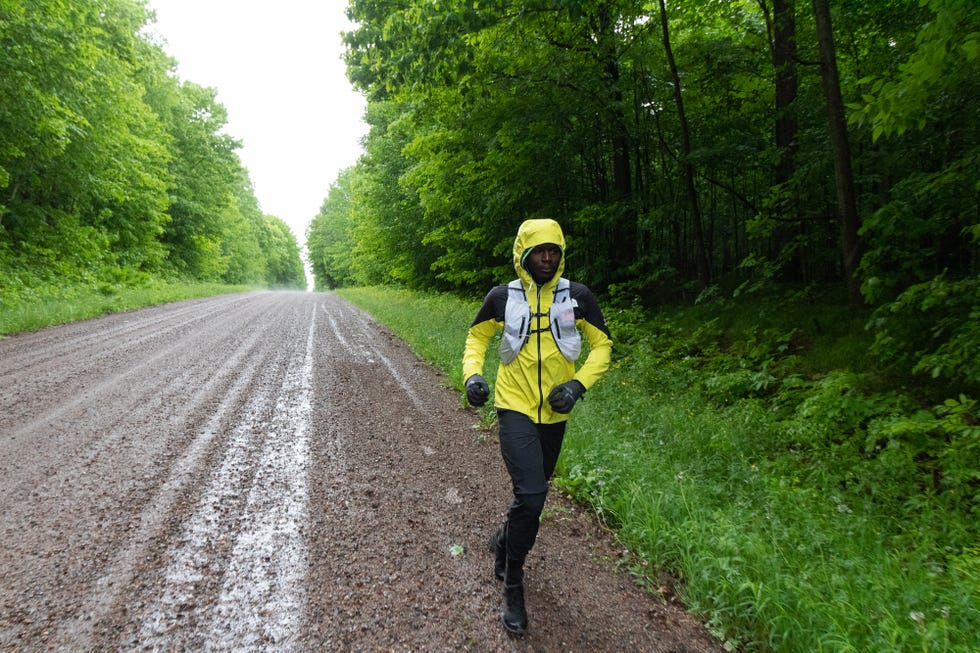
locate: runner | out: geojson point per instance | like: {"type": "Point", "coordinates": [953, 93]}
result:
{"type": "Point", "coordinates": [542, 315]}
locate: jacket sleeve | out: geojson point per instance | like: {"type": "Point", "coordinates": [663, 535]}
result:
{"type": "Point", "coordinates": [480, 332]}
{"type": "Point", "coordinates": [593, 326]}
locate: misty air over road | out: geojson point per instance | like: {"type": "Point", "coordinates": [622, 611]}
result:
{"type": "Point", "coordinates": [273, 471]}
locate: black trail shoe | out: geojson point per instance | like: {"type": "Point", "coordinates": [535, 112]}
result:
{"type": "Point", "coordinates": [514, 616]}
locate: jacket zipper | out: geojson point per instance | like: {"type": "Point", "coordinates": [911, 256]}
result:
{"type": "Point", "coordinates": [540, 366]}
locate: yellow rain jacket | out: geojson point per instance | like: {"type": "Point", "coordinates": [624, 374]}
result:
{"type": "Point", "coordinates": [523, 384]}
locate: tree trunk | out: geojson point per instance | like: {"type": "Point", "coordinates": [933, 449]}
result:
{"type": "Point", "coordinates": [606, 38]}
{"type": "Point", "coordinates": [701, 255]}
{"type": "Point", "coordinates": [782, 31]}
{"type": "Point", "coordinates": [622, 233]}
{"type": "Point", "coordinates": [784, 63]}
{"type": "Point", "coordinates": [850, 222]}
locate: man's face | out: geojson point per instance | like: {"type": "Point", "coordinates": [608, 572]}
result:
{"type": "Point", "coordinates": [542, 262]}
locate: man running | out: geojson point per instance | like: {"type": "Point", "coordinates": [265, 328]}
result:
{"type": "Point", "coordinates": [543, 316]}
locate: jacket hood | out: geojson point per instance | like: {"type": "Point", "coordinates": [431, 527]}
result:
{"type": "Point", "coordinates": [531, 234]}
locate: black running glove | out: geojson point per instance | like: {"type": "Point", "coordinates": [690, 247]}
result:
{"type": "Point", "coordinates": [477, 390]}
{"type": "Point", "coordinates": [563, 397]}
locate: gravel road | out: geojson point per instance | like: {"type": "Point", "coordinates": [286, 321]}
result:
{"type": "Point", "coordinates": [274, 472]}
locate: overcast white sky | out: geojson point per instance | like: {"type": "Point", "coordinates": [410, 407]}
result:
{"type": "Point", "coordinates": [279, 73]}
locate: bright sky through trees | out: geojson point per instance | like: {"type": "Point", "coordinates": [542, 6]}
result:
{"type": "Point", "coordinates": [278, 72]}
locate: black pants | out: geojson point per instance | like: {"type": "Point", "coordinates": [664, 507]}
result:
{"type": "Point", "coordinates": [530, 452]}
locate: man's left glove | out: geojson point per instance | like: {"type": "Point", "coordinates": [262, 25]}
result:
{"type": "Point", "coordinates": [477, 390]}
{"type": "Point", "coordinates": [563, 397]}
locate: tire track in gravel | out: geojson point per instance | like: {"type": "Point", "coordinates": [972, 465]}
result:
{"type": "Point", "coordinates": [368, 350]}
{"type": "Point", "coordinates": [165, 379]}
{"type": "Point", "coordinates": [58, 342]}
{"type": "Point", "coordinates": [261, 600]}
{"type": "Point", "coordinates": [201, 383]}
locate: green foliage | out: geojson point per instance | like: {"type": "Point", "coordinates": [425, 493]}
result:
{"type": "Point", "coordinates": [77, 142]}
{"type": "Point", "coordinates": [486, 114]}
{"type": "Point", "coordinates": [804, 518]}
{"type": "Point", "coordinates": [926, 230]}
{"type": "Point", "coordinates": [388, 242]}
{"type": "Point", "coordinates": [931, 333]}
{"type": "Point", "coordinates": [947, 50]}
{"type": "Point", "coordinates": [329, 238]}
{"type": "Point", "coordinates": [110, 168]}
{"type": "Point", "coordinates": [205, 170]}
{"type": "Point", "coordinates": [284, 267]}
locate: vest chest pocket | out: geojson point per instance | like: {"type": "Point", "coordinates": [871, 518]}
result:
{"type": "Point", "coordinates": [517, 323]}
{"type": "Point", "coordinates": [563, 328]}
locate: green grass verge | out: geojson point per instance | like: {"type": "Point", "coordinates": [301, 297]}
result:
{"type": "Point", "coordinates": [770, 546]}
{"type": "Point", "coordinates": [38, 307]}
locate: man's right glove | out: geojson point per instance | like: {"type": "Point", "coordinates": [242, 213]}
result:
{"type": "Point", "coordinates": [477, 390]}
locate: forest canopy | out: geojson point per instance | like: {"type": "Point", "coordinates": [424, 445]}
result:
{"type": "Point", "coordinates": [112, 169]}
{"type": "Point", "coordinates": [681, 145]}
{"type": "Point", "coordinates": [688, 149]}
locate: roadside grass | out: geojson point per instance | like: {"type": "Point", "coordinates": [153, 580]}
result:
{"type": "Point", "coordinates": [773, 560]}
{"type": "Point", "coordinates": [40, 306]}
{"type": "Point", "coordinates": [692, 460]}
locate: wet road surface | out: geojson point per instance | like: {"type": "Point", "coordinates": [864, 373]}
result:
{"type": "Point", "coordinates": [271, 471]}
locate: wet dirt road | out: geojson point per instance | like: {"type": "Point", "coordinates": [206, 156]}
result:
{"type": "Point", "coordinates": [273, 472]}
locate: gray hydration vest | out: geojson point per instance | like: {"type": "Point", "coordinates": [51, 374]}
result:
{"type": "Point", "coordinates": [561, 318]}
